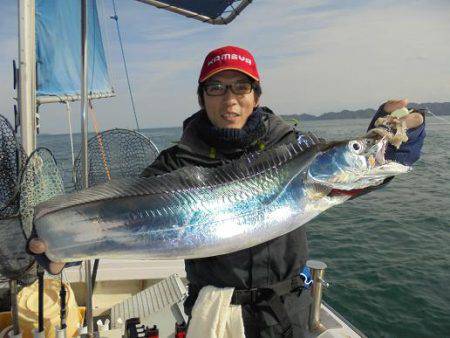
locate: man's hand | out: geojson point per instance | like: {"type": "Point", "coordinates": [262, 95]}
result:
{"type": "Point", "coordinates": [413, 120]}
{"type": "Point", "coordinates": [409, 152]}
{"type": "Point", "coordinates": [39, 247]}
{"type": "Point", "coordinates": [393, 105]}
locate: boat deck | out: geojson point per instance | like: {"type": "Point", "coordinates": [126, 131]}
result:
{"type": "Point", "coordinates": [160, 302]}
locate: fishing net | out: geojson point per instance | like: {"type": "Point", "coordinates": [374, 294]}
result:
{"type": "Point", "coordinates": [15, 263]}
{"type": "Point", "coordinates": [11, 155]}
{"type": "Point", "coordinates": [40, 181]}
{"type": "Point", "coordinates": [113, 154]}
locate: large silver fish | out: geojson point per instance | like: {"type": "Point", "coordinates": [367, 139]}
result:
{"type": "Point", "coordinates": [199, 212]}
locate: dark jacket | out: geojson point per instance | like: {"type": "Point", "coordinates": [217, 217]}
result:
{"type": "Point", "coordinates": [267, 263]}
{"type": "Point", "coordinates": [256, 267]}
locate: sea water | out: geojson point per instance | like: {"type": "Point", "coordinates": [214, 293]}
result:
{"type": "Point", "coordinates": [388, 252]}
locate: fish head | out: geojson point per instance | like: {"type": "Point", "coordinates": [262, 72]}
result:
{"type": "Point", "coordinates": [352, 165]}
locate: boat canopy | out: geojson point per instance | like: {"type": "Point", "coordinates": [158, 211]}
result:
{"type": "Point", "coordinates": [58, 45]}
{"type": "Point", "coordinates": [211, 11]}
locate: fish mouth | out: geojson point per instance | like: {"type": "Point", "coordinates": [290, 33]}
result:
{"type": "Point", "coordinates": [379, 165]}
{"type": "Point", "coordinates": [377, 171]}
{"type": "Point", "coordinates": [355, 167]}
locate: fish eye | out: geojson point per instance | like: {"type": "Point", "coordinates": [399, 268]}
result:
{"type": "Point", "coordinates": [356, 147]}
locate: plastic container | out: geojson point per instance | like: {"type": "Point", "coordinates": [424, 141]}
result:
{"type": "Point", "coordinates": [27, 301]}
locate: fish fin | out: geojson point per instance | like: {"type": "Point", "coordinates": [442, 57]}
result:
{"type": "Point", "coordinates": [187, 178]}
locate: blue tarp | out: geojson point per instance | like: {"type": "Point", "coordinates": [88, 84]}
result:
{"type": "Point", "coordinates": [210, 8]}
{"type": "Point", "coordinates": [58, 49]}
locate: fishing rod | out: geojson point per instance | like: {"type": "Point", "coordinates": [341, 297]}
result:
{"type": "Point", "coordinates": [40, 274]}
{"type": "Point", "coordinates": [438, 117]}
{"type": "Point", "coordinates": [63, 307]}
{"type": "Point", "coordinates": [14, 309]}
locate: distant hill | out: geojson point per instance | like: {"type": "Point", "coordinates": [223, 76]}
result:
{"type": "Point", "coordinates": [435, 107]}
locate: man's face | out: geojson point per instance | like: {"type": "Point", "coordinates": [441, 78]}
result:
{"type": "Point", "coordinates": [229, 110]}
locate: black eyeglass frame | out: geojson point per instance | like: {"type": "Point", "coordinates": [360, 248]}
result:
{"type": "Point", "coordinates": [230, 87]}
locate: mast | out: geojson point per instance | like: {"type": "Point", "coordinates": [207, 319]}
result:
{"type": "Point", "coordinates": [26, 96]}
{"type": "Point", "coordinates": [84, 151]}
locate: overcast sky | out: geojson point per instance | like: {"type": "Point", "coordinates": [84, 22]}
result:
{"type": "Point", "coordinates": [313, 56]}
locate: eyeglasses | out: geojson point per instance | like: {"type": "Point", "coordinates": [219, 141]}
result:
{"type": "Point", "coordinates": [219, 89]}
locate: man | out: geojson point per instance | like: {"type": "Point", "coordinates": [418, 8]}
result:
{"type": "Point", "coordinates": [231, 123]}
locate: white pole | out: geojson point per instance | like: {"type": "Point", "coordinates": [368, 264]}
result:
{"type": "Point", "coordinates": [38, 334]}
{"type": "Point", "coordinates": [84, 148]}
{"type": "Point", "coordinates": [27, 75]}
{"type": "Point", "coordinates": [60, 333]}
{"type": "Point", "coordinates": [26, 102]}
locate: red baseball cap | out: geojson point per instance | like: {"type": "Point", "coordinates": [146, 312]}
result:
{"type": "Point", "coordinates": [229, 58]}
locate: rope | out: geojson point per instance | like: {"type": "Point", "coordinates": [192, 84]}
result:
{"type": "Point", "coordinates": [100, 140]}
{"type": "Point", "coordinates": [92, 55]}
{"type": "Point", "coordinates": [69, 118]}
{"type": "Point", "coordinates": [107, 39]}
{"type": "Point", "coordinates": [116, 19]}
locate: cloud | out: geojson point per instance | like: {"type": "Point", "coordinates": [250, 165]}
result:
{"type": "Point", "coordinates": [313, 56]}
{"type": "Point", "coordinates": [359, 58]}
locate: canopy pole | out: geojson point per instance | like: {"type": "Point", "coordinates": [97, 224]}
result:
{"type": "Point", "coordinates": [214, 21]}
{"type": "Point", "coordinates": [84, 150]}
{"type": "Point", "coordinates": [26, 93]}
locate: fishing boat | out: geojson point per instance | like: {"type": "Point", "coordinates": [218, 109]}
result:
{"type": "Point", "coordinates": [132, 295]}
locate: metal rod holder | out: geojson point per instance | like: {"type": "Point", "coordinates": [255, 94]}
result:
{"type": "Point", "coordinates": [317, 271]}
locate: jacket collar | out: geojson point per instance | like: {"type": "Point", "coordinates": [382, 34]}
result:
{"type": "Point", "coordinates": [200, 136]}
